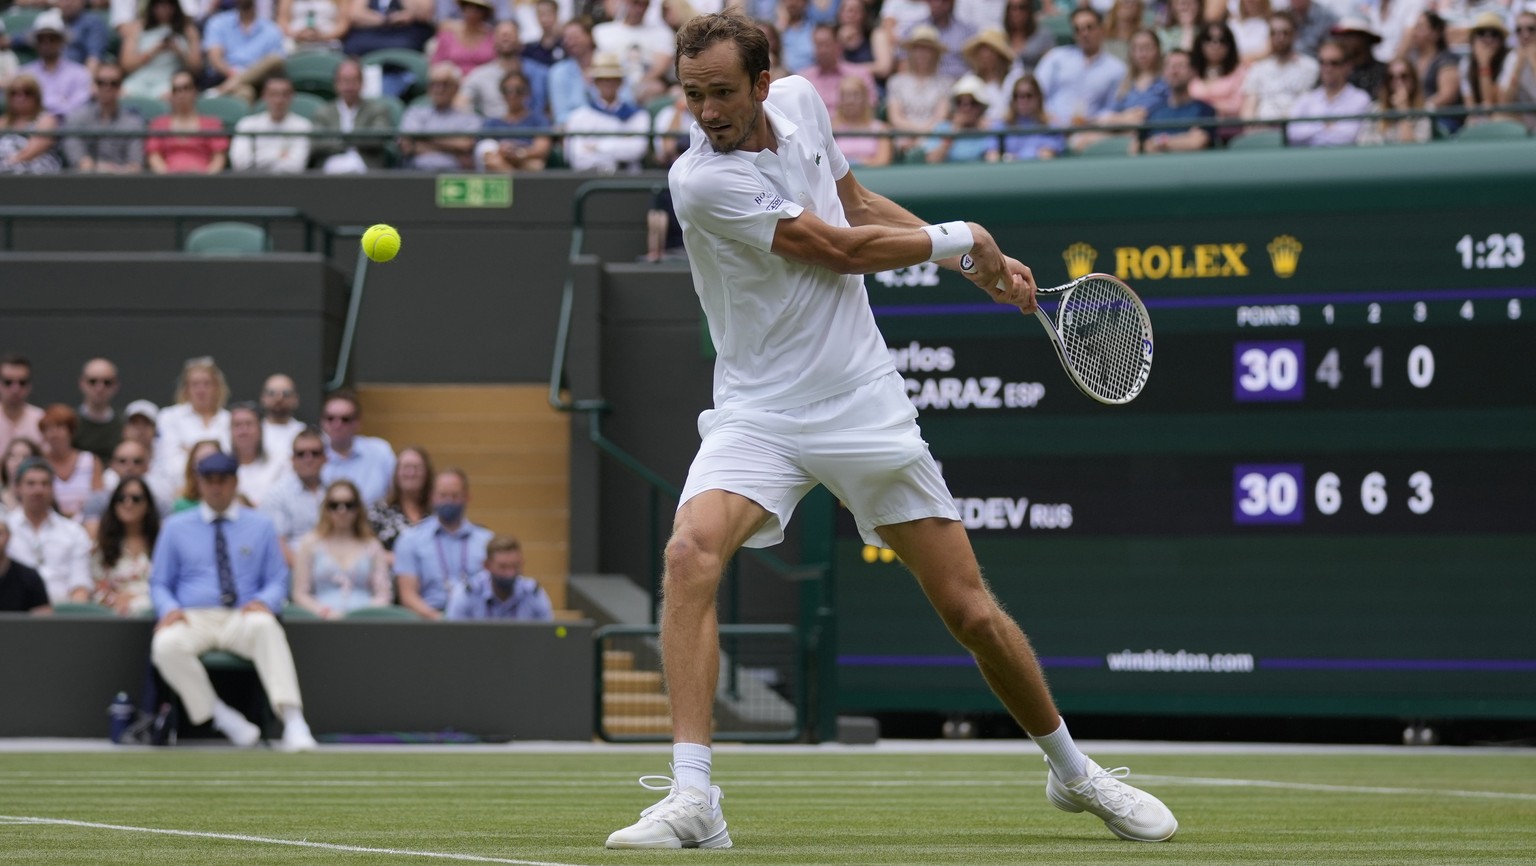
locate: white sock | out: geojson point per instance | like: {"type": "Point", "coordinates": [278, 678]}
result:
{"type": "Point", "coordinates": [292, 714]}
{"type": "Point", "coordinates": [1067, 762]}
{"type": "Point", "coordinates": [690, 766]}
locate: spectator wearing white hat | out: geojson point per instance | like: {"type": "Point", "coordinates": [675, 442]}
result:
{"type": "Point", "coordinates": [607, 111]}
{"type": "Point", "coordinates": [66, 85]}
{"type": "Point", "coordinates": [970, 99]}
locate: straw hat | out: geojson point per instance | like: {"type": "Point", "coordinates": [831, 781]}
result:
{"type": "Point", "coordinates": [992, 38]}
{"type": "Point", "coordinates": [1490, 21]}
{"type": "Point", "coordinates": [605, 65]}
{"type": "Point", "coordinates": [925, 34]}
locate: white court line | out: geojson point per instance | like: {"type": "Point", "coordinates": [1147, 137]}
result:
{"type": "Point", "coordinates": [296, 843]}
{"type": "Point", "coordinates": [1339, 789]}
{"type": "Point", "coordinates": [761, 780]}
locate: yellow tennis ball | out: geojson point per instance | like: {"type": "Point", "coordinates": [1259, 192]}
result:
{"type": "Point", "coordinates": [381, 242]}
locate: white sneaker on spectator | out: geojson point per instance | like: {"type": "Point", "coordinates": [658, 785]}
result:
{"type": "Point", "coordinates": [685, 818]}
{"type": "Point", "coordinates": [1128, 812]}
{"type": "Point", "coordinates": [240, 730]}
{"type": "Point", "coordinates": [297, 737]}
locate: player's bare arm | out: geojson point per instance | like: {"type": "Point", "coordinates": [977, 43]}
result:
{"type": "Point", "coordinates": [990, 267]}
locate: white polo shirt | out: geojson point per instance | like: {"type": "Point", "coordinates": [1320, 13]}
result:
{"type": "Point", "coordinates": [786, 334]}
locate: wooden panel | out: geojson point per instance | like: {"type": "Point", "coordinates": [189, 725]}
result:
{"type": "Point", "coordinates": [512, 444]}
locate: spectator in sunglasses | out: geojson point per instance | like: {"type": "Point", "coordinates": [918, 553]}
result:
{"type": "Point", "coordinates": [340, 566]}
{"type": "Point", "coordinates": [120, 564]}
{"type": "Point", "coordinates": [103, 154]}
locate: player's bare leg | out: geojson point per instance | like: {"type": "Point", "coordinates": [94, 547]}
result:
{"type": "Point", "coordinates": [707, 532]}
{"type": "Point", "coordinates": [940, 556]}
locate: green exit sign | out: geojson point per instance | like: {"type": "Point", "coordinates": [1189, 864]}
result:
{"type": "Point", "coordinates": [474, 190]}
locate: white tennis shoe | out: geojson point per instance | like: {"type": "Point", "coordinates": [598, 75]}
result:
{"type": "Point", "coordinates": [240, 730]}
{"type": "Point", "coordinates": [297, 737]}
{"type": "Point", "coordinates": [1128, 812]}
{"type": "Point", "coordinates": [685, 818]}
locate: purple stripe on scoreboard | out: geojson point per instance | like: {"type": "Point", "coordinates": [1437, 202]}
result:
{"type": "Point", "coordinates": [955, 661]}
{"type": "Point", "coordinates": [1493, 665]}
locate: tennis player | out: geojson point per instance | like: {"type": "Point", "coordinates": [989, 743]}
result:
{"type": "Point", "coordinates": [778, 234]}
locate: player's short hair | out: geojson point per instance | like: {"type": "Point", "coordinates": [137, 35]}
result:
{"type": "Point", "coordinates": [705, 30]}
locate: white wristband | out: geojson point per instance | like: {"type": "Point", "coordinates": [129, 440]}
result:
{"type": "Point", "coordinates": [949, 240]}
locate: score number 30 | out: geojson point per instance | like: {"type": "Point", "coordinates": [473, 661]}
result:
{"type": "Point", "coordinates": [1272, 494]}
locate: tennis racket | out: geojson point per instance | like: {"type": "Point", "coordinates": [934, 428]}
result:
{"type": "Point", "coordinates": [1102, 335]}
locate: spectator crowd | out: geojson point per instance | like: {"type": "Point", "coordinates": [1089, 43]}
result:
{"type": "Point", "coordinates": [204, 86]}
{"type": "Point", "coordinates": [90, 494]}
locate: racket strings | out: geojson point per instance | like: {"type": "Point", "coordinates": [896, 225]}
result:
{"type": "Point", "coordinates": [1102, 334]}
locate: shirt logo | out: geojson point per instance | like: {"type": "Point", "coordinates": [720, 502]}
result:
{"type": "Point", "coordinates": [768, 200]}
{"type": "Point", "coordinates": [818, 159]}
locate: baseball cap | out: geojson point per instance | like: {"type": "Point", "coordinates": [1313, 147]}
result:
{"type": "Point", "coordinates": [51, 21]}
{"type": "Point", "coordinates": [218, 463]}
{"type": "Point", "coordinates": [144, 408]}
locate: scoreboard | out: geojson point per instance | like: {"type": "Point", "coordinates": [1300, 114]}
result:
{"type": "Point", "coordinates": [1324, 502]}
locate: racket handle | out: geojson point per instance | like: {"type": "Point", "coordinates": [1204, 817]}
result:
{"type": "Point", "coordinates": [968, 266]}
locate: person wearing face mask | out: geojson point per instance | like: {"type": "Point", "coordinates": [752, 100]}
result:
{"type": "Point", "coordinates": [442, 551]}
{"type": "Point", "coordinates": [500, 590]}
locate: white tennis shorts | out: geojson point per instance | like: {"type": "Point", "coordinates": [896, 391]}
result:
{"type": "Point", "coordinates": [864, 445]}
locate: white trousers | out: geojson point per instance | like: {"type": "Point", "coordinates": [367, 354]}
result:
{"type": "Point", "coordinates": [256, 636]}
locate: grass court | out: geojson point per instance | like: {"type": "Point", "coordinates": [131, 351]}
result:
{"type": "Point", "coordinates": [784, 806]}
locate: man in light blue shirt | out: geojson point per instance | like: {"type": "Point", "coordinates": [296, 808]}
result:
{"type": "Point", "coordinates": [293, 503]}
{"type": "Point", "coordinates": [243, 48]}
{"type": "Point", "coordinates": [443, 550]}
{"type": "Point", "coordinates": [1079, 80]}
{"type": "Point", "coordinates": [366, 461]}
{"type": "Point", "coordinates": [217, 581]}
{"type": "Point", "coordinates": [500, 590]}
